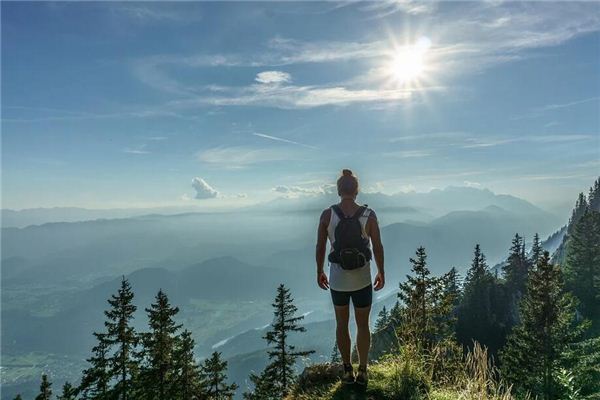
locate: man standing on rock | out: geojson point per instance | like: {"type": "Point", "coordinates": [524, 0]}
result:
{"type": "Point", "coordinates": [351, 229]}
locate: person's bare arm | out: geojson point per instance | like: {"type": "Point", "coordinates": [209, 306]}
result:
{"type": "Point", "coordinates": [375, 235]}
{"type": "Point", "coordinates": [321, 249]}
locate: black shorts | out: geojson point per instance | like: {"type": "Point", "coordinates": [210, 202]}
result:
{"type": "Point", "coordinates": [360, 298]}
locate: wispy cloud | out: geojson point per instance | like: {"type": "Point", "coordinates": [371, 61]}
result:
{"type": "Point", "coordinates": [49, 115]}
{"type": "Point", "coordinates": [152, 12]}
{"type": "Point", "coordinates": [539, 111]}
{"type": "Point", "coordinates": [273, 77]}
{"type": "Point", "coordinates": [238, 157]}
{"type": "Point", "coordinates": [550, 107]}
{"type": "Point", "coordinates": [477, 142]}
{"type": "Point", "coordinates": [472, 184]}
{"type": "Point", "coordinates": [141, 149]}
{"type": "Point", "coordinates": [471, 36]}
{"type": "Point", "coordinates": [279, 139]}
{"type": "Point", "coordinates": [293, 97]}
{"type": "Point", "coordinates": [408, 153]}
{"type": "Point", "coordinates": [480, 142]}
{"type": "Point", "coordinates": [384, 8]}
{"type": "Point", "coordinates": [428, 136]}
{"type": "Point", "coordinates": [295, 191]}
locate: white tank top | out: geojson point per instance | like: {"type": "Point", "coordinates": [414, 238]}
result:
{"type": "Point", "coordinates": [344, 280]}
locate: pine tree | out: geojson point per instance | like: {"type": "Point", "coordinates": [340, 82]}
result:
{"type": "Point", "coordinates": [427, 310]}
{"type": "Point", "coordinates": [68, 392]}
{"type": "Point", "coordinates": [121, 334]}
{"type": "Point", "coordinates": [18, 397]}
{"type": "Point", "coordinates": [383, 318]}
{"type": "Point", "coordinates": [536, 250]}
{"type": "Point", "coordinates": [396, 313]}
{"type": "Point", "coordinates": [158, 370]}
{"type": "Point", "coordinates": [335, 357]}
{"type": "Point", "coordinates": [535, 348]}
{"type": "Point", "coordinates": [95, 383]}
{"type": "Point", "coordinates": [452, 287]}
{"type": "Point", "coordinates": [516, 269]}
{"type": "Point", "coordinates": [45, 389]}
{"type": "Point", "coordinates": [582, 266]}
{"type": "Point", "coordinates": [482, 312]}
{"type": "Point", "coordinates": [265, 385]}
{"type": "Point", "coordinates": [594, 196]}
{"type": "Point", "coordinates": [446, 294]}
{"type": "Point", "coordinates": [479, 267]}
{"type": "Point", "coordinates": [214, 378]}
{"type": "Point", "coordinates": [187, 381]}
{"type": "Point", "coordinates": [277, 378]}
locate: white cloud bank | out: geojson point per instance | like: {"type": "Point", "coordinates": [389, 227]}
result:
{"type": "Point", "coordinates": [203, 189]}
{"type": "Point", "coordinates": [295, 191]}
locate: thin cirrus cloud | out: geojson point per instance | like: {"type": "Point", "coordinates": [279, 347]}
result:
{"type": "Point", "coordinates": [469, 38]}
{"type": "Point", "coordinates": [291, 96]}
{"type": "Point", "coordinates": [238, 157]}
{"type": "Point", "coordinates": [381, 9]}
{"type": "Point", "coordinates": [408, 154]}
{"type": "Point", "coordinates": [476, 142]}
{"type": "Point", "coordinates": [283, 140]}
{"type": "Point", "coordinates": [540, 111]}
{"type": "Point", "coordinates": [141, 149]}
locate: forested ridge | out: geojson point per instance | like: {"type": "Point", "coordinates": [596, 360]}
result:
{"type": "Point", "coordinates": [531, 330]}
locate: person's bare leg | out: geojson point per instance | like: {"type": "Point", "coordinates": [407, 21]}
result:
{"type": "Point", "coordinates": [363, 334]}
{"type": "Point", "coordinates": [342, 334]}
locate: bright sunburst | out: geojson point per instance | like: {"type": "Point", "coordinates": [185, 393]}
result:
{"type": "Point", "coordinates": [407, 64]}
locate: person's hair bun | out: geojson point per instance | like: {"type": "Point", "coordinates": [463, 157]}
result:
{"type": "Point", "coordinates": [346, 172]}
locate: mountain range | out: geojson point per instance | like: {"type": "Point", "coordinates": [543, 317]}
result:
{"type": "Point", "coordinates": [222, 268]}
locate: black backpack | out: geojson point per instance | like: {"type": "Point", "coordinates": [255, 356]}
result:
{"type": "Point", "coordinates": [350, 249]}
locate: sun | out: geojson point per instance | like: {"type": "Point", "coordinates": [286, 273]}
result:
{"type": "Point", "coordinates": [407, 64]}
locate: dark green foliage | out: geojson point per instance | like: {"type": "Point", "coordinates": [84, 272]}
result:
{"type": "Point", "coordinates": [483, 312]}
{"type": "Point", "coordinates": [536, 250]}
{"type": "Point", "coordinates": [68, 392]}
{"type": "Point", "coordinates": [396, 313]}
{"type": "Point", "coordinates": [95, 383]}
{"type": "Point", "coordinates": [278, 377]}
{"type": "Point", "coordinates": [335, 357]}
{"type": "Point", "coordinates": [158, 366]}
{"type": "Point", "coordinates": [45, 389]}
{"type": "Point", "coordinates": [594, 196]}
{"type": "Point", "coordinates": [121, 334]}
{"type": "Point", "coordinates": [516, 269]}
{"type": "Point", "coordinates": [18, 397]}
{"type": "Point", "coordinates": [187, 380]}
{"type": "Point", "coordinates": [426, 316]}
{"type": "Point", "coordinates": [535, 349]}
{"type": "Point", "coordinates": [383, 318]}
{"type": "Point", "coordinates": [214, 379]}
{"type": "Point", "coordinates": [581, 206]}
{"type": "Point", "coordinates": [582, 266]}
{"type": "Point", "coordinates": [452, 286]}
{"type": "Point", "coordinates": [583, 361]}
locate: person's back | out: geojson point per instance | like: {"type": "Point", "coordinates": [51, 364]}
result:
{"type": "Point", "coordinates": [351, 230]}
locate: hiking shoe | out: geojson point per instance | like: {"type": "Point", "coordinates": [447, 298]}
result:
{"type": "Point", "coordinates": [362, 377]}
{"type": "Point", "coordinates": [348, 376]}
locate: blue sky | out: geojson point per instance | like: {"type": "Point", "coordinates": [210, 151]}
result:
{"type": "Point", "coordinates": [224, 104]}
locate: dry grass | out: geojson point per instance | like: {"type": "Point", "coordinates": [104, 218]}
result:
{"type": "Point", "coordinates": [481, 378]}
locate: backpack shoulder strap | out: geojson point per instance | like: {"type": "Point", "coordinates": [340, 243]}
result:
{"type": "Point", "coordinates": [338, 211]}
{"type": "Point", "coordinates": [360, 211]}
